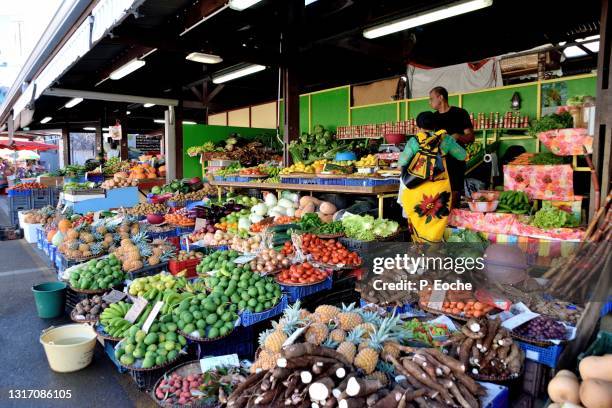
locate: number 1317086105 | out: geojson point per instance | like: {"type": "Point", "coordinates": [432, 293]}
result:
{"type": "Point", "coordinates": [40, 394]}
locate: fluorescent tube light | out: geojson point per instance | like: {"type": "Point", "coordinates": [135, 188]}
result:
{"type": "Point", "coordinates": [239, 71]}
{"type": "Point", "coordinates": [189, 122]}
{"type": "Point", "coordinates": [242, 4]}
{"type": "Point", "coordinates": [204, 58]}
{"type": "Point", "coordinates": [128, 112]}
{"type": "Point", "coordinates": [159, 121]}
{"type": "Point", "coordinates": [105, 129]}
{"type": "Point", "coordinates": [426, 17]}
{"type": "Point", "coordinates": [148, 105]}
{"type": "Point", "coordinates": [127, 69]}
{"type": "Point", "coordinates": [89, 128]}
{"type": "Point", "coordinates": [46, 119]}
{"type": "Point", "coordinates": [73, 102]}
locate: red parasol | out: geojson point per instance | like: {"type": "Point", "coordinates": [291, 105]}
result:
{"type": "Point", "coordinates": [26, 145]}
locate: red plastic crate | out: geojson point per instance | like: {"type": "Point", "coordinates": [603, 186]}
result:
{"type": "Point", "coordinates": [190, 265]}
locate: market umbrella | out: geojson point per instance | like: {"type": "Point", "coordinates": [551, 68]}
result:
{"type": "Point", "coordinates": [7, 153]}
{"type": "Point", "coordinates": [27, 155]}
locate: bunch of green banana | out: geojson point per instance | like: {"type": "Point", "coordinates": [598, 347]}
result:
{"type": "Point", "coordinates": [196, 287]}
{"type": "Point", "coordinates": [172, 299]}
{"type": "Point", "coordinates": [113, 319]}
{"type": "Point", "coordinates": [515, 202]}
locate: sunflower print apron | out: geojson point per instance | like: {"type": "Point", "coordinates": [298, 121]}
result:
{"type": "Point", "coordinates": [428, 205]}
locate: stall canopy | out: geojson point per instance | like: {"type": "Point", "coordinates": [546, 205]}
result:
{"type": "Point", "coordinates": [26, 145]}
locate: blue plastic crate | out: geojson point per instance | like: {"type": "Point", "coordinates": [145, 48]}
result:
{"type": "Point", "coordinates": [497, 396]}
{"type": "Point", "coordinates": [607, 307]}
{"type": "Point", "coordinates": [95, 177]}
{"type": "Point", "coordinates": [46, 247]}
{"type": "Point", "coordinates": [544, 355]}
{"type": "Point", "coordinates": [339, 181]}
{"type": "Point", "coordinates": [184, 230]}
{"type": "Point", "coordinates": [309, 181]}
{"type": "Point", "coordinates": [40, 238]}
{"type": "Point", "coordinates": [241, 179]}
{"type": "Point", "coordinates": [219, 178]}
{"type": "Point", "coordinates": [249, 319]}
{"type": "Point", "coordinates": [408, 308]}
{"type": "Point", "coordinates": [290, 180]}
{"type": "Point", "coordinates": [19, 193]}
{"type": "Point", "coordinates": [357, 182]}
{"type": "Point", "coordinates": [298, 292]}
{"type": "Point", "coordinates": [109, 349]}
{"type": "Point", "coordinates": [20, 202]}
{"type": "Point", "coordinates": [162, 235]}
{"type": "Point", "coordinates": [240, 342]}
{"type": "Point", "coordinates": [52, 253]}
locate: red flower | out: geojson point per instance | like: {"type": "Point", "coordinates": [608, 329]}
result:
{"type": "Point", "coordinates": [433, 206]}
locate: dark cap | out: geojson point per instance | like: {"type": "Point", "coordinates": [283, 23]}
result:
{"type": "Point", "coordinates": [426, 120]}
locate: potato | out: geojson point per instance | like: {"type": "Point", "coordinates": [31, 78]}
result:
{"type": "Point", "coordinates": [564, 388]}
{"type": "Point", "coordinates": [596, 393]}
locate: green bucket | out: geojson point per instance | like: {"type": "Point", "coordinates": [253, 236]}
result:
{"type": "Point", "coordinates": [50, 298]}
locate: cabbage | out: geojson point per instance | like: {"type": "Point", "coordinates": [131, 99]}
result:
{"type": "Point", "coordinates": [278, 210]}
{"type": "Point", "coordinates": [367, 228]}
{"type": "Point", "coordinates": [260, 209]}
{"type": "Point", "coordinates": [285, 203]}
{"type": "Point", "coordinates": [270, 200]}
{"type": "Point", "coordinates": [291, 212]}
{"type": "Point", "coordinates": [244, 223]}
{"type": "Point", "coordinates": [255, 218]}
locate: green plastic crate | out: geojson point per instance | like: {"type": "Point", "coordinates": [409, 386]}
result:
{"type": "Point", "coordinates": [602, 345]}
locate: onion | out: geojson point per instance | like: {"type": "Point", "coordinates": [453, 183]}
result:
{"type": "Point", "coordinates": [279, 257]}
{"type": "Point", "coordinates": [265, 257]}
{"type": "Point", "coordinates": [260, 268]}
{"type": "Point", "coordinates": [269, 268]}
{"type": "Point", "coordinates": [285, 262]}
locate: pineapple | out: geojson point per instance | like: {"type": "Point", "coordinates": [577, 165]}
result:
{"type": "Point", "coordinates": [153, 260]}
{"type": "Point", "coordinates": [326, 313]}
{"type": "Point", "coordinates": [101, 229]}
{"type": "Point", "coordinates": [144, 249]}
{"type": "Point", "coordinates": [367, 357]}
{"type": "Point", "coordinates": [292, 318]}
{"type": "Point", "coordinates": [380, 376]}
{"type": "Point", "coordinates": [348, 318]}
{"type": "Point", "coordinates": [96, 248]}
{"type": "Point", "coordinates": [347, 347]}
{"type": "Point", "coordinates": [72, 234]}
{"type": "Point", "coordinates": [371, 320]}
{"type": "Point", "coordinates": [272, 340]}
{"type": "Point", "coordinates": [337, 335]}
{"type": "Point", "coordinates": [329, 343]}
{"type": "Point", "coordinates": [316, 333]}
{"type": "Point", "coordinates": [83, 248]}
{"type": "Point", "coordinates": [86, 237]}
{"type": "Point", "coordinates": [266, 360]}
{"type": "Point", "coordinates": [166, 255]}
{"type": "Point", "coordinates": [390, 348]}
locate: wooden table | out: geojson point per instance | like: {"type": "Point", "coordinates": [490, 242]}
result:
{"type": "Point", "coordinates": [381, 192]}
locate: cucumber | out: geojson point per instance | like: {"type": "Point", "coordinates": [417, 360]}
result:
{"type": "Point", "coordinates": [283, 227]}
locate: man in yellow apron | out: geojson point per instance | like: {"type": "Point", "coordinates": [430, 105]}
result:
{"type": "Point", "coordinates": [426, 191]}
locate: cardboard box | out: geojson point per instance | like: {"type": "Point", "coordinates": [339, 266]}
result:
{"type": "Point", "coordinates": [50, 181]}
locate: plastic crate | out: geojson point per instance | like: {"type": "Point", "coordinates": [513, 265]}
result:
{"type": "Point", "coordinates": [497, 396]}
{"type": "Point", "coordinates": [147, 271]}
{"type": "Point", "coordinates": [240, 342]}
{"type": "Point", "coordinates": [52, 253]}
{"type": "Point", "coordinates": [295, 293]}
{"type": "Point", "coordinates": [109, 349]}
{"type": "Point", "coordinates": [248, 319]}
{"type": "Point", "coordinates": [162, 235]}
{"type": "Point", "coordinates": [72, 298]}
{"type": "Point", "coordinates": [548, 356]}
{"type": "Point", "coordinates": [54, 194]}
{"type": "Point", "coordinates": [20, 202]}
{"type": "Point", "coordinates": [600, 346]}
{"type": "Point", "coordinates": [19, 193]}
{"type": "Point", "coordinates": [40, 238]}
{"type": "Point", "coordinates": [408, 308]}
{"type": "Point", "coordinates": [184, 230]}
{"type": "Point", "coordinates": [607, 307]}
{"type": "Point", "coordinates": [340, 181]}
{"type": "Point", "coordinates": [174, 267]}
{"type": "Point", "coordinates": [96, 177]}
{"type": "Point", "coordinates": [145, 380]}
{"type": "Point", "coordinates": [309, 181]}
{"type": "Point", "coordinates": [219, 178]}
{"type": "Point", "coordinates": [41, 198]}
{"type": "Point", "coordinates": [290, 180]}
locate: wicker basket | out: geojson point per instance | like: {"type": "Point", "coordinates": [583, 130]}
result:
{"type": "Point", "coordinates": [201, 339]}
{"type": "Point", "coordinates": [74, 319]}
{"type": "Point", "coordinates": [529, 340]}
{"type": "Point", "coordinates": [185, 369]}
{"type": "Point", "coordinates": [523, 62]}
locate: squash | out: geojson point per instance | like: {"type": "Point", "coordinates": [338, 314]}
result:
{"type": "Point", "coordinates": [598, 367]}
{"type": "Point", "coordinates": [51, 234]}
{"type": "Point", "coordinates": [308, 208]}
{"type": "Point", "coordinates": [564, 388]}
{"type": "Point", "coordinates": [325, 217]}
{"type": "Point", "coordinates": [596, 393]}
{"type": "Point", "coordinates": [64, 225]}
{"type": "Point", "coordinates": [327, 208]}
{"type": "Point", "coordinates": [304, 200]}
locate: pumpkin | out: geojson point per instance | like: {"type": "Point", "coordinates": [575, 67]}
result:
{"type": "Point", "coordinates": [64, 225]}
{"type": "Point", "coordinates": [564, 387]}
{"type": "Point", "coordinates": [58, 238]}
{"type": "Point", "coordinates": [162, 170]}
{"type": "Point", "coordinates": [327, 208]}
{"type": "Point", "coordinates": [596, 393]}
{"type": "Point", "coordinates": [597, 367]}
{"type": "Point", "coordinates": [51, 234]}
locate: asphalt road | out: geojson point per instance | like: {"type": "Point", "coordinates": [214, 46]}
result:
{"type": "Point", "coordinates": [23, 364]}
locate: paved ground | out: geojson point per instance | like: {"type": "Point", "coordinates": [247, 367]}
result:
{"type": "Point", "coordinates": [23, 365]}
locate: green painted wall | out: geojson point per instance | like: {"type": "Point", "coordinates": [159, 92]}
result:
{"type": "Point", "coordinates": [418, 106]}
{"type": "Point", "coordinates": [195, 135]}
{"type": "Point", "coordinates": [499, 100]}
{"type": "Point", "coordinates": [584, 86]}
{"type": "Point", "coordinates": [304, 113]}
{"type": "Point", "coordinates": [331, 108]}
{"type": "Point", "coordinates": [374, 114]}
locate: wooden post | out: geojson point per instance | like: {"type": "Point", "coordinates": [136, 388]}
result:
{"type": "Point", "coordinates": [602, 142]}
{"type": "Point", "coordinates": [65, 146]}
{"type": "Point", "coordinates": [99, 142]}
{"type": "Point", "coordinates": [290, 76]}
{"type": "Point", "coordinates": [124, 151]}
{"type": "Point", "coordinates": [178, 139]}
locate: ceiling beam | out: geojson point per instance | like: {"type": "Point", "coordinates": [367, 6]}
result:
{"type": "Point", "coordinates": [214, 92]}
{"type": "Point", "coordinates": [201, 11]}
{"type": "Point", "coordinates": [111, 97]}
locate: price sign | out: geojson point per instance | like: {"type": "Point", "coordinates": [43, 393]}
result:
{"type": "Point", "coordinates": [200, 223]}
{"type": "Point", "coordinates": [436, 299]}
{"type": "Point", "coordinates": [114, 296]}
{"type": "Point", "coordinates": [151, 318]}
{"type": "Point", "coordinates": [244, 259]}
{"type": "Point", "coordinates": [210, 363]}
{"type": "Point", "coordinates": [136, 309]}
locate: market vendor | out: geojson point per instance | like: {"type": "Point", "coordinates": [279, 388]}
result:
{"type": "Point", "coordinates": [457, 123]}
{"type": "Point", "coordinates": [426, 190]}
